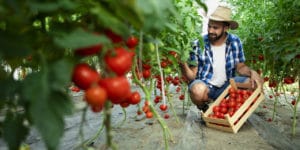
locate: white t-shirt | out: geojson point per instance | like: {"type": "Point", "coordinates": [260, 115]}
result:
{"type": "Point", "coordinates": [219, 62]}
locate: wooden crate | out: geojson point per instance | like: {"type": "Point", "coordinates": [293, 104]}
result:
{"type": "Point", "coordinates": [235, 122]}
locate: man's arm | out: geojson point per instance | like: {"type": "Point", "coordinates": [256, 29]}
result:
{"type": "Point", "coordinates": [187, 71]}
{"type": "Point", "coordinates": [244, 70]}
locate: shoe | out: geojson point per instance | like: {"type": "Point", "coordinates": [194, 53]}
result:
{"type": "Point", "coordinates": [203, 107]}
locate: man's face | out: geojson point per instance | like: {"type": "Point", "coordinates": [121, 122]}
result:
{"type": "Point", "coordinates": [215, 30]}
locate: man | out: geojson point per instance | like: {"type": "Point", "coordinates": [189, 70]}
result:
{"type": "Point", "coordinates": [221, 59]}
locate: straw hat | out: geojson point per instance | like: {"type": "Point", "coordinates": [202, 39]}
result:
{"type": "Point", "coordinates": [223, 14]}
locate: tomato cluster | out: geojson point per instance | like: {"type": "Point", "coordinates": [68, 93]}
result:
{"type": "Point", "coordinates": [114, 86]}
{"type": "Point", "coordinates": [230, 104]}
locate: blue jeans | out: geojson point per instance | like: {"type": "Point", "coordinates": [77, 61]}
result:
{"type": "Point", "coordinates": [214, 91]}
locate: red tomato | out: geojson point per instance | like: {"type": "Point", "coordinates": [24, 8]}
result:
{"type": "Point", "coordinates": [146, 66]}
{"type": "Point", "coordinates": [261, 57]}
{"type": "Point", "coordinates": [231, 90]}
{"type": "Point", "coordinates": [149, 114]}
{"type": "Point", "coordinates": [173, 53]}
{"type": "Point", "coordinates": [147, 73]}
{"type": "Point", "coordinates": [163, 107]}
{"type": "Point", "coordinates": [135, 98]}
{"type": "Point", "coordinates": [75, 89]}
{"type": "Point", "coordinates": [166, 116]}
{"type": "Point", "coordinates": [272, 84]}
{"type": "Point", "coordinates": [84, 76]}
{"type": "Point", "coordinates": [181, 97]}
{"type": "Point", "coordinates": [233, 95]}
{"type": "Point", "coordinates": [117, 88]}
{"type": "Point", "coordinates": [293, 102]}
{"type": "Point", "coordinates": [223, 110]}
{"type": "Point", "coordinates": [223, 104]}
{"type": "Point", "coordinates": [87, 51]}
{"type": "Point", "coordinates": [119, 61]}
{"type": "Point", "coordinates": [95, 96]}
{"type": "Point", "coordinates": [163, 64]}
{"type": "Point", "coordinates": [288, 80]}
{"type": "Point", "coordinates": [115, 38]}
{"type": "Point", "coordinates": [175, 82]}
{"type": "Point", "coordinates": [231, 104]}
{"type": "Point", "coordinates": [216, 109]}
{"type": "Point", "coordinates": [96, 108]}
{"type": "Point", "coordinates": [131, 42]}
{"type": "Point", "coordinates": [124, 104]}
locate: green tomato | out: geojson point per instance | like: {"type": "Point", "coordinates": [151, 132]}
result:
{"type": "Point", "coordinates": [151, 47]}
{"type": "Point", "coordinates": [167, 70]}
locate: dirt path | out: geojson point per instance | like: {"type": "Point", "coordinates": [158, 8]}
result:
{"type": "Point", "coordinates": [188, 133]}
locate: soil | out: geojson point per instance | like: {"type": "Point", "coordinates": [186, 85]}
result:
{"type": "Point", "coordinates": [138, 133]}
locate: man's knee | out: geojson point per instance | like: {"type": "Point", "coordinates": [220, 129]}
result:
{"type": "Point", "coordinates": [199, 92]}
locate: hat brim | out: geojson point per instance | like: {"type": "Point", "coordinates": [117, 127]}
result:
{"type": "Point", "coordinates": [232, 24]}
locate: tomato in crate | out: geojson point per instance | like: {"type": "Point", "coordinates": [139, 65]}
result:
{"type": "Point", "coordinates": [232, 108]}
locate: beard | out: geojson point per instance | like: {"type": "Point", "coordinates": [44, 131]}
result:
{"type": "Point", "coordinates": [214, 37]}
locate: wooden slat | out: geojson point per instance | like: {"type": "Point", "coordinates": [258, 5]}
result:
{"type": "Point", "coordinates": [232, 83]}
{"type": "Point", "coordinates": [227, 129]}
{"type": "Point", "coordinates": [248, 113]}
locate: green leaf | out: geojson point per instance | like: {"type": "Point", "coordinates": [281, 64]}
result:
{"type": "Point", "coordinates": [14, 131]}
{"type": "Point", "coordinates": [48, 105]}
{"type": "Point", "coordinates": [79, 38]}
{"type": "Point", "coordinates": [52, 6]}
{"type": "Point", "coordinates": [109, 20]}
{"type": "Point", "coordinates": [60, 72]}
{"type": "Point", "coordinates": [14, 45]}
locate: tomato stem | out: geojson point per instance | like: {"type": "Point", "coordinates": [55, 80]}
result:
{"type": "Point", "coordinates": [96, 135]}
{"type": "Point", "coordinates": [81, 135]}
{"type": "Point", "coordinates": [107, 122]}
{"type": "Point", "coordinates": [294, 124]}
{"type": "Point", "coordinates": [161, 75]}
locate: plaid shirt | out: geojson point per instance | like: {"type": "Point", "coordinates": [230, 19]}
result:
{"type": "Point", "coordinates": [234, 54]}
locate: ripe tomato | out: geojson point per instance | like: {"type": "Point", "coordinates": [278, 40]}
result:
{"type": "Point", "coordinates": [261, 57]}
{"type": "Point", "coordinates": [119, 61]}
{"type": "Point", "coordinates": [117, 88]}
{"type": "Point", "coordinates": [216, 109]}
{"type": "Point", "coordinates": [163, 107]}
{"type": "Point", "coordinates": [87, 51]}
{"type": "Point", "coordinates": [231, 104]}
{"type": "Point", "coordinates": [288, 80]}
{"type": "Point", "coordinates": [166, 116]}
{"type": "Point", "coordinates": [147, 73]}
{"type": "Point", "coordinates": [135, 98]}
{"type": "Point", "coordinates": [131, 42]}
{"type": "Point", "coordinates": [146, 66]}
{"type": "Point", "coordinates": [115, 38]}
{"type": "Point", "coordinates": [223, 110]}
{"type": "Point", "coordinates": [84, 76]}
{"type": "Point", "coordinates": [124, 104]}
{"type": "Point", "coordinates": [173, 53]}
{"type": "Point", "coordinates": [95, 96]}
{"type": "Point", "coordinates": [181, 97]}
{"type": "Point", "coordinates": [163, 64]}
{"type": "Point", "coordinates": [232, 90]}
{"type": "Point", "coordinates": [96, 108]}
{"type": "Point", "coordinates": [293, 102]}
{"type": "Point", "coordinates": [149, 114]}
